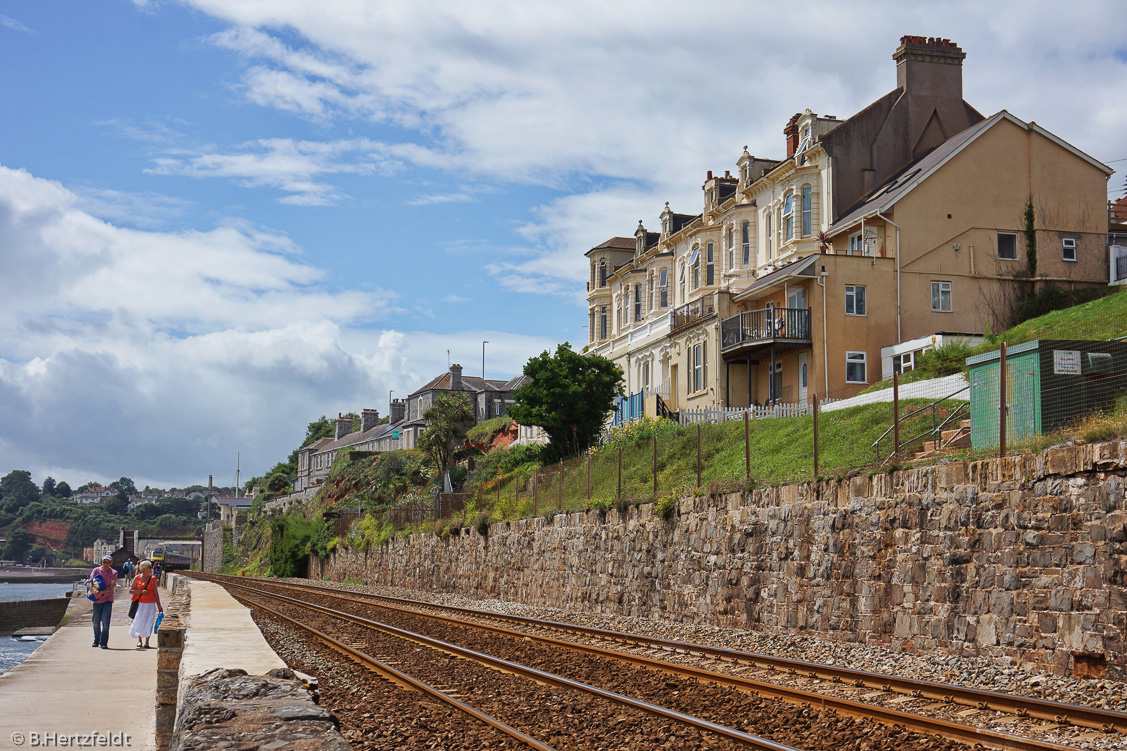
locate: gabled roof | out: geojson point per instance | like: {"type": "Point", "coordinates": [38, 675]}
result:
{"type": "Point", "coordinates": [615, 243]}
{"type": "Point", "coordinates": [915, 173]}
{"type": "Point", "coordinates": [469, 383]}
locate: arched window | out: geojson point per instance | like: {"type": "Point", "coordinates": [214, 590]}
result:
{"type": "Point", "coordinates": [603, 273]}
{"type": "Point", "coordinates": [731, 246]}
{"type": "Point", "coordinates": [694, 268]}
{"type": "Point", "coordinates": [807, 205]}
{"type": "Point", "coordinates": [745, 239]}
{"type": "Point", "coordinates": [650, 292]}
{"type": "Point", "coordinates": [663, 288]}
{"type": "Point", "coordinates": [788, 217]}
{"type": "Point", "coordinates": [681, 286]}
{"type": "Point", "coordinates": [637, 302]}
{"type": "Point", "coordinates": [709, 264]}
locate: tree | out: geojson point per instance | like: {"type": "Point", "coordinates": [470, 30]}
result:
{"type": "Point", "coordinates": [124, 486]}
{"type": "Point", "coordinates": [19, 542]}
{"type": "Point", "coordinates": [570, 397]}
{"type": "Point", "coordinates": [49, 487]}
{"type": "Point", "coordinates": [116, 505]}
{"type": "Point", "coordinates": [17, 486]}
{"type": "Point", "coordinates": [447, 421]}
{"type": "Point", "coordinates": [62, 490]}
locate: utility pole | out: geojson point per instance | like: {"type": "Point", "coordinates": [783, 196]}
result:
{"type": "Point", "coordinates": [209, 487]}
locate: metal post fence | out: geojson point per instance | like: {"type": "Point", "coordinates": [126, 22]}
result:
{"type": "Point", "coordinates": [1002, 401]}
{"type": "Point", "coordinates": [747, 445]}
{"type": "Point", "coordinates": [619, 473]}
{"type": "Point", "coordinates": [698, 454]}
{"type": "Point", "coordinates": [655, 467]}
{"type": "Point", "coordinates": [896, 414]}
{"type": "Point", "coordinates": [815, 437]}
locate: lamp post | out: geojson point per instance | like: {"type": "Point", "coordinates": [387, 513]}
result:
{"type": "Point", "coordinates": [389, 393]}
{"type": "Point", "coordinates": [483, 360]}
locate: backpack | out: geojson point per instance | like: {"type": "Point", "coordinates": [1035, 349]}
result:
{"type": "Point", "coordinates": [94, 585]}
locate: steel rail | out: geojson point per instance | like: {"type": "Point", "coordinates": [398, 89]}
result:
{"type": "Point", "coordinates": [1023, 706]}
{"type": "Point", "coordinates": [538, 676]}
{"type": "Point", "coordinates": [891, 717]}
{"type": "Point", "coordinates": [402, 679]}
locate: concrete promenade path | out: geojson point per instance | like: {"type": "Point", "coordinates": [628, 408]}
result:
{"type": "Point", "coordinates": [67, 687]}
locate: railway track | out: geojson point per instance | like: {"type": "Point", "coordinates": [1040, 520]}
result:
{"type": "Point", "coordinates": [740, 661]}
{"type": "Point", "coordinates": [1094, 718]}
{"type": "Point", "coordinates": [728, 737]}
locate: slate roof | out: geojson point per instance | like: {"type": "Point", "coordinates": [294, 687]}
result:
{"type": "Point", "coordinates": [615, 243]}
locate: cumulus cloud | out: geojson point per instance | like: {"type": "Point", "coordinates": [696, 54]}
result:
{"type": "Point", "coordinates": [647, 95]}
{"type": "Point", "coordinates": [172, 351]}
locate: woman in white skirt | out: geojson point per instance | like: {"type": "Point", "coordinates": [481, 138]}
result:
{"type": "Point", "coordinates": [144, 588]}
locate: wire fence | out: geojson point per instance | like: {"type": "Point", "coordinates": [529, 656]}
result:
{"type": "Point", "coordinates": [1051, 386]}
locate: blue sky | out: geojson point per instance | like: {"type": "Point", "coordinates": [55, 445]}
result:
{"type": "Point", "coordinates": [220, 219]}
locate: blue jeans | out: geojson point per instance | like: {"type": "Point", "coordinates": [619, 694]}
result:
{"type": "Point", "coordinates": [102, 622]}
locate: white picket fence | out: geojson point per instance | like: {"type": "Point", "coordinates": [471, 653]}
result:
{"type": "Point", "coordinates": [711, 415]}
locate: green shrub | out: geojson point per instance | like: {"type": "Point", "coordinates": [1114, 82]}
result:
{"type": "Point", "coordinates": [666, 507]}
{"type": "Point", "coordinates": [289, 545]}
{"type": "Point", "coordinates": [482, 523]}
{"type": "Point", "coordinates": [485, 432]}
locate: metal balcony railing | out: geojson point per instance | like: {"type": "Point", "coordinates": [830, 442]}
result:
{"type": "Point", "coordinates": [690, 313]}
{"type": "Point", "coordinates": [765, 326]}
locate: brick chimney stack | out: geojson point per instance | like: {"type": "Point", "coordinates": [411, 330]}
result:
{"type": "Point", "coordinates": [791, 132]}
{"type": "Point", "coordinates": [398, 410]}
{"type": "Point", "coordinates": [369, 419]}
{"type": "Point", "coordinates": [455, 377]}
{"type": "Point", "coordinates": [344, 426]}
{"type": "Point", "coordinates": [929, 66]}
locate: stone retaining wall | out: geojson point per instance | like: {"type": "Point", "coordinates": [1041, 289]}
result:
{"type": "Point", "coordinates": [17, 614]}
{"type": "Point", "coordinates": [1023, 557]}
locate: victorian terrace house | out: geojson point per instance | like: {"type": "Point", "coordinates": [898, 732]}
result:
{"type": "Point", "coordinates": [903, 221]}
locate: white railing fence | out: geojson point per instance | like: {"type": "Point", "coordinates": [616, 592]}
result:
{"type": "Point", "coordinates": [712, 415]}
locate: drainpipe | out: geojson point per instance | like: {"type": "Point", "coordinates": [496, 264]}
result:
{"type": "Point", "coordinates": [899, 339]}
{"type": "Point", "coordinates": [825, 334]}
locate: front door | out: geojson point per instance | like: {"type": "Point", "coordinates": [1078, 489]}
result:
{"type": "Point", "coordinates": [803, 377]}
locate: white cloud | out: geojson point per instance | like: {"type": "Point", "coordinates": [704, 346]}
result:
{"type": "Point", "coordinates": [285, 164]}
{"type": "Point", "coordinates": [455, 299]}
{"type": "Point", "coordinates": [435, 198]}
{"type": "Point", "coordinates": [11, 23]}
{"type": "Point", "coordinates": [172, 351]}
{"type": "Point", "coordinates": [649, 95]}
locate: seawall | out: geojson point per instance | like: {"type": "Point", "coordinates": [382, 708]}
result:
{"type": "Point", "coordinates": [1023, 557]}
{"type": "Point", "coordinates": [17, 614]}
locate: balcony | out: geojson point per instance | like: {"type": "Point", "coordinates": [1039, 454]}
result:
{"type": "Point", "coordinates": [753, 329]}
{"type": "Point", "coordinates": [693, 312]}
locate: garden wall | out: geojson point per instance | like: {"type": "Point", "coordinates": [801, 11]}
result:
{"type": "Point", "coordinates": [1022, 557]}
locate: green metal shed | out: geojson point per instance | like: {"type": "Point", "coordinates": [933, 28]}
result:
{"type": "Point", "coordinates": [1049, 383]}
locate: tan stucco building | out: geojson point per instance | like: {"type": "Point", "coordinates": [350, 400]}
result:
{"type": "Point", "coordinates": [907, 219]}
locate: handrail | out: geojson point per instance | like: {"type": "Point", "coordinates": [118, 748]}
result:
{"type": "Point", "coordinates": [876, 443]}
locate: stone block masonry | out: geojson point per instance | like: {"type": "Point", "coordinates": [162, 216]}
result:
{"type": "Point", "coordinates": [1022, 557]}
{"type": "Point", "coordinates": [17, 614]}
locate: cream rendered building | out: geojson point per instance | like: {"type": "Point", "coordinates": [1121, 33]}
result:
{"type": "Point", "coordinates": [903, 221]}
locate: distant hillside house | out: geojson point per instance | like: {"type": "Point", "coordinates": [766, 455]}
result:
{"type": "Point", "coordinates": [490, 398]}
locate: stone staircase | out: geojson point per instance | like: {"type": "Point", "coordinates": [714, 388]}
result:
{"type": "Point", "coordinates": [956, 438]}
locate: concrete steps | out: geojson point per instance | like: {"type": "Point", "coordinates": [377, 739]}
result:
{"type": "Point", "coordinates": [955, 438]}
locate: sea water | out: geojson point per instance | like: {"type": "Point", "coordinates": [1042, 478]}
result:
{"type": "Point", "coordinates": [13, 651]}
